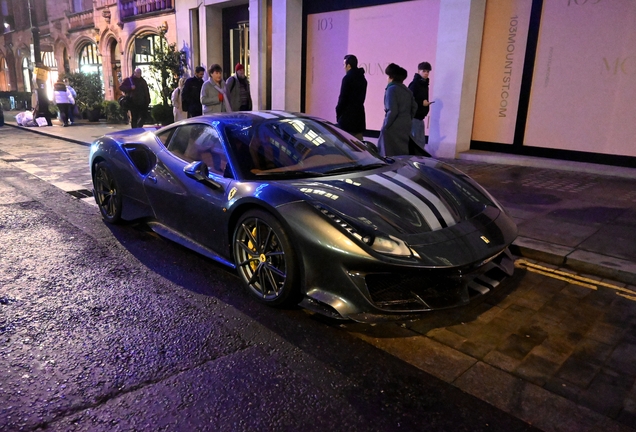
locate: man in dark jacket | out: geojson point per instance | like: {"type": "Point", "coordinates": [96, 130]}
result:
{"type": "Point", "coordinates": [353, 91]}
{"type": "Point", "coordinates": [137, 88]}
{"type": "Point", "coordinates": [419, 88]}
{"type": "Point", "coordinates": [191, 93]}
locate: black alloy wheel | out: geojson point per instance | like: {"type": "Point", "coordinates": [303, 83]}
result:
{"type": "Point", "coordinates": [107, 193]}
{"type": "Point", "coordinates": [265, 259]}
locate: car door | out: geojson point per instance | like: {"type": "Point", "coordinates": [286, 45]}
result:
{"type": "Point", "coordinates": [192, 208]}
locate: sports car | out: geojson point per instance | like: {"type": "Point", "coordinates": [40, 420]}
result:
{"type": "Point", "coordinates": [307, 214]}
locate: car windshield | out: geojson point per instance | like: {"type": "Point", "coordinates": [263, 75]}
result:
{"type": "Point", "coordinates": [296, 147]}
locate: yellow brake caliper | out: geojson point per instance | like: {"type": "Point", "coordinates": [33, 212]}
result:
{"type": "Point", "coordinates": [252, 246]}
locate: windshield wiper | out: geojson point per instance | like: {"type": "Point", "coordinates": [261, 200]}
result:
{"type": "Point", "coordinates": [355, 167]}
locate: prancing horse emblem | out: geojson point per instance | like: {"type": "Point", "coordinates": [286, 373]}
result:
{"type": "Point", "coordinates": [485, 239]}
{"type": "Point", "coordinates": [231, 194]}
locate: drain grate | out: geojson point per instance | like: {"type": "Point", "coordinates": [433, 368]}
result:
{"type": "Point", "coordinates": [82, 193]}
{"type": "Point", "coordinates": [12, 159]}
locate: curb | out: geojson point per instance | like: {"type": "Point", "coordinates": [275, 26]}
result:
{"type": "Point", "coordinates": [578, 260]}
{"type": "Point", "coordinates": [34, 130]}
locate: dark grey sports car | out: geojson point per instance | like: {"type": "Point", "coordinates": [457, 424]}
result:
{"type": "Point", "coordinates": [308, 214]}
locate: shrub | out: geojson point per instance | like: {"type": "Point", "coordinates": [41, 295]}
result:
{"type": "Point", "coordinates": [114, 113]}
{"type": "Point", "coordinates": [162, 114]}
{"type": "Point", "coordinates": [88, 87]}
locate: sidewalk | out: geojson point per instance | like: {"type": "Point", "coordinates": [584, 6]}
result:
{"type": "Point", "coordinates": [579, 216]}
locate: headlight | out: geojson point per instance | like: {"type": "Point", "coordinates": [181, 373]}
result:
{"type": "Point", "coordinates": [385, 244]}
{"type": "Point", "coordinates": [391, 246]}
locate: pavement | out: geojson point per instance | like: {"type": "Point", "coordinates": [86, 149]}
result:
{"type": "Point", "coordinates": [556, 349]}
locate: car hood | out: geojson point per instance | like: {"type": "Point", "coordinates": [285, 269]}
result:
{"type": "Point", "coordinates": [422, 201]}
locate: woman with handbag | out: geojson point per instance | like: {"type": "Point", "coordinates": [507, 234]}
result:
{"type": "Point", "coordinates": [213, 96]}
{"type": "Point", "coordinates": [177, 106]}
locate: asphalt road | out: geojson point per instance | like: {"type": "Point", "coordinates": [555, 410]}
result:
{"type": "Point", "coordinates": [114, 328]}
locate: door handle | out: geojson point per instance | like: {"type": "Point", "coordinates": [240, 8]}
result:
{"type": "Point", "coordinates": [152, 178]}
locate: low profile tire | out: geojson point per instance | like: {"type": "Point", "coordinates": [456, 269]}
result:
{"type": "Point", "coordinates": [265, 259]}
{"type": "Point", "coordinates": [107, 193]}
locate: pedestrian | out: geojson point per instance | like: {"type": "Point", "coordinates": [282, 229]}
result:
{"type": "Point", "coordinates": [137, 88]}
{"type": "Point", "coordinates": [177, 110]}
{"type": "Point", "coordinates": [72, 111]}
{"type": "Point", "coordinates": [238, 88]}
{"type": "Point", "coordinates": [64, 101]}
{"type": "Point", "coordinates": [399, 108]}
{"type": "Point", "coordinates": [353, 91]}
{"type": "Point", "coordinates": [419, 88]}
{"type": "Point", "coordinates": [191, 93]}
{"type": "Point", "coordinates": [213, 96]}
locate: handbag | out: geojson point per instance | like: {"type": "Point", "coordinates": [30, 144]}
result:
{"type": "Point", "coordinates": [124, 102]}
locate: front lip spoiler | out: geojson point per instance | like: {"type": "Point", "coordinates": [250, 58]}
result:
{"type": "Point", "coordinates": [485, 280]}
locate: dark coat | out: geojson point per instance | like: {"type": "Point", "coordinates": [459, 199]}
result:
{"type": "Point", "coordinates": [140, 96]}
{"type": "Point", "coordinates": [399, 107]}
{"type": "Point", "coordinates": [191, 96]}
{"type": "Point", "coordinates": [419, 88]}
{"type": "Point", "coordinates": [350, 109]}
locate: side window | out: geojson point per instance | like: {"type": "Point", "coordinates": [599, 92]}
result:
{"type": "Point", "coordinates": [198, 142]}
{"type": "Point", "coordinates": [210, 150]}
{"type": "Point", "coordinates": [164, 136]}
{"type": "Point", "coordinates": [178, 144]}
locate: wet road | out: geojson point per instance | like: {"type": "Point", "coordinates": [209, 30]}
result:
{"type": "Point", "coordinates": [113, 328]}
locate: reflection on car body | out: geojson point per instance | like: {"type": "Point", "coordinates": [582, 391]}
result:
{"type": "Point", "coordinates": [307, 213]}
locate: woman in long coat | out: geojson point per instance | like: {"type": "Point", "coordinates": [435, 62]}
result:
{"type": "Point", "coordinates": [399, 108]}
{"type": "Point", "coordinates": [214, 98]}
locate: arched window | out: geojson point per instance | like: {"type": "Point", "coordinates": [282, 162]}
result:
{"type": "Point", "coordinates": [144, 55]}
{"type": "Point", "coordinates": [4, 75]}
{"type": "Point", "coordinates": [26, 74]}
{"type": "Point", "coordinates": [89, 59]}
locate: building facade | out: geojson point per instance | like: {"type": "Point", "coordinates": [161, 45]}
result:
{"type": "Point", "coordinates": [108, 37]}
{"type": "Point", "coordinates": [551, 78]}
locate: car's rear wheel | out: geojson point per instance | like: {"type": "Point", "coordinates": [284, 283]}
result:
{"type": "Point", "coordinates": [107, 193]}
{"type": "Point", "coordinates": [265, 259]}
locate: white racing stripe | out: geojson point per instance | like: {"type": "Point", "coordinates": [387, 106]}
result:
{"type": "Point", "coordinates": [424, 210]}
{"type": "Point", "coordinates": [434, 199]}
{"type": "Point", "coordinates": [264, 115]}
{"type": "Point", "coordinates": [284, 114]}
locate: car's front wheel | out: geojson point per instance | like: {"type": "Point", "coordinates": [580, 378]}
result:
{"type": "Point", "coordinates": [107, 193]}
{"type": "Point", "coordinates": [265, 259]}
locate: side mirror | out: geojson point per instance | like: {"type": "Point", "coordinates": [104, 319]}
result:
{"type": "Point", "coordinates": [200, 172]}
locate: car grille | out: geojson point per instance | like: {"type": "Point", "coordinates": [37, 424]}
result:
{"type": "Point", "coordinates": [431, 289]}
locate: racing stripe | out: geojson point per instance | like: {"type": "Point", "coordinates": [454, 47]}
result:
{"type": "Point", "coordinates": [424, 210]}
{"type": "Point", "coordinates": [434, 199]}
{"type": "Point", "coordinates": [284, 114]}
{"type": "Point", "coordinates": [264, 115]}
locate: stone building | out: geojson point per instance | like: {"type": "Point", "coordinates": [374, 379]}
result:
{"type": "Point", "coordinates": [109, 37]}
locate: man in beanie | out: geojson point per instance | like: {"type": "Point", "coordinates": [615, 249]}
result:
{"type": "Point", "coordinates": [238, 87]}
{"type": "Point", "coordinates": [419, 88]}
